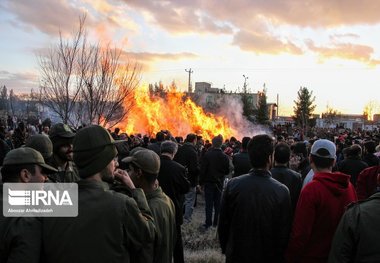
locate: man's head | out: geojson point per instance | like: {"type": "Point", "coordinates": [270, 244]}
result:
{"type": "Point", "coordinates": [191, 138]}
{"type": "Point", "coordinates": [144, 167]}
{"type": "Point", "coordinates": [323, 154]}
{"type": "Point", "coordinates": [260, 151]}
{"type": "Point", "coordinates": [62, 136]}
{"type": "Point", "coordinates": [169, 147]}
{"type": "Point", "coordinates": [282, 153]}
{"type": "Point", "coordinates": [244, 143]}
{"type": "Point", "coordinates": [160, 136]}
{"type": "Point", "coordinates": [94, 152]}
{"type": "Point", "coordinates": [370, 147]}
{"type": "Point", "coordinates": [217, 141]}
{"type": "Point", "coordinates": [25, 165]}
{"type": "Point", "coordinates": [42, 144]}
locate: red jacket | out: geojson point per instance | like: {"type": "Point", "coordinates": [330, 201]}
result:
{"type": "Point", "coordinates": [367, 182]}
{"type": "Point", "coordinates": [320, 206]}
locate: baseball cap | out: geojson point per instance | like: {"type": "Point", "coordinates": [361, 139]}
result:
{"type": "Point", "coordinates": [146, 160]}
{"type": "Point", "coordinates": [27, 155]}
{"type": "Point", "coordinates": [328, 146]}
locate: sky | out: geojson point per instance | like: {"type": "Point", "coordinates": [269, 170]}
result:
{"type": "Point", "coordinates": [332, 47]}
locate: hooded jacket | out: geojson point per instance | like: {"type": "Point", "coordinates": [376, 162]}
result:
{"type": "Point", "coordinates": [320, 206]}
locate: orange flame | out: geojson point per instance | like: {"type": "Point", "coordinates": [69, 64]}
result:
{"type": "Point", "coordinates": [177, 113]}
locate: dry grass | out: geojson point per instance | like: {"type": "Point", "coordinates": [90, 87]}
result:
{"type": "Point", "coordinates": [200, 246]}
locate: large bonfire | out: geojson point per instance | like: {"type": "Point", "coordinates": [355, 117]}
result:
{"type": "Point", "coordinates": [176, 113]}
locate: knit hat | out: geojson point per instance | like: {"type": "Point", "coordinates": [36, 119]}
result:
{"type": "Point", "coordinates": [324, 145]}
{"type": "Point", "coordinates": [26, 155]}
{"type": "Point", "coordinates": [93, 149]}
{"type": "Point", "coordinates": [146, 160]}
{"type": "Point", "coordinates": [41, 143]}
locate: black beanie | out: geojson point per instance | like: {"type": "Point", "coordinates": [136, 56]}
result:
{"type": "Point", "coordinates": [93, 150]}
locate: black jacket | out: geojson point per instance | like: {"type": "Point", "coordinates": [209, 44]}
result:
{"type": "Point", "coordinates": [173, 181]}
{"type": "Point", "coordinates": [215, 165]}
{"type": "Point", "coordinates": [187, 156]}
{"type": "Point", "coordinates": [291, 179]}
{"type": "Point", "coordinates": [241, 163]}
{"type": "Point", "coordinates": [254, 219]}
{"type": "Point", "coordinates": [371, 159]}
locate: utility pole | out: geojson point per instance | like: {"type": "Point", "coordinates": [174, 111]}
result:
{"type": "Point", "coordinates": [245, 84]}
{"type": "Point", "coordinates": [190, 89]}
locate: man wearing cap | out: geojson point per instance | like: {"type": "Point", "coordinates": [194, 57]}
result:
{"type": "Point", "coordinates": [144, 167]}
{"type": "Point", "coordinates": [62, 138]}
{"type": "Point", "coordinates": [110, 226]}
{"type": "Point", "coordinates": [20, 237]}
{"type": "Point", "coordinates": [320, 206]}
{"type": "Point", "coordinates": [42, 144]}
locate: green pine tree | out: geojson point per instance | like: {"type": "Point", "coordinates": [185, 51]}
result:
{"type": "Point", "coordinates": [303, 109]}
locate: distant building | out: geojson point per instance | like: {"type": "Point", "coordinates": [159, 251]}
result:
{"type": "Point", "coordinates": [348, 121]}
{"type": "Point", "coordinates": [211, 98]}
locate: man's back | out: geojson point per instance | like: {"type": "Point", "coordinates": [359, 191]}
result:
{"type": "Point", "coordinates": [320, 207]}
{"type": "Point", "coordinates": [254, 219]}
{"type": "Point", "coordinates": [173, 181]}
{"type": "Point", "coordinates": [356, 238]}
{"type": "Point", "coordinates": [163, 212]}
{"type": "Point", "coordinates": [107, 228]}
{"type": "Point", "coordinates": [291, 179]}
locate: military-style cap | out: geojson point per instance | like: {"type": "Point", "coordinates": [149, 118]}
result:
{"type": "Point", "coordinates": [61, 130]}
{"type": "Point", "coordinates": [41, 143]}
{"type": "Point", "coordinates": [27, 155]}
{"type": "Point", "coordinates": [146, 160]}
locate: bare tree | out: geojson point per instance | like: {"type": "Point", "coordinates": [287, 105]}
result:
{"type": "Point", "coordinates": [107, 94]}
{"type": "Point", "coordinates": [85, 83]}
{"type": "Point", "coordinates": [60, 85]}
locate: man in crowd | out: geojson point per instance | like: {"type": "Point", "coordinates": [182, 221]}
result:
{"type": "Point", "coordinates": [110, 226]}
{"type": "Point", "coordinates": [255, 211]}
{"type": "Point", "coordinates": [352, 163]}
{"type": "Point", "coordinates": [20, 237]}
{"type": "Point", "coordinates": [215, 165]}
{"type": "Point", "coordinates": [284, 175]}
{"type": "Point", "coordinates": [62, 138]}
{"type": "Point", "coordinates": [356, 238]}
{"type": "Point", "coordinates": [320, 206]}
{"type": "Point", "coordinates": [173, 181]}
{"type": "Point", "coordinates": [187, 156]}
{"type": "Point", "coordinates": [240, 161]}
{"type": "Point", "coordinates": [144, 167]}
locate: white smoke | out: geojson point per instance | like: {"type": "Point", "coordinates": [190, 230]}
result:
{"type": "Point", "coordinates": [230, 107]}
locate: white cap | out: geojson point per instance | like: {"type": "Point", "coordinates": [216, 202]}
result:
{"type": "Point", "coordinates": [329, 146]}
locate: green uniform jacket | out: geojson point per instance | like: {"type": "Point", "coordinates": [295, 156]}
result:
{"type": "Point", "coordinates": [357, 236]}
{"type": "Point", "coordinates": [68, 175]}
{"type": "Point", "coordinates": [163, 212]}
{"type": "Point", "coordinates": [20, 237]}
{"type": "Point", "coordinates": [110, 227]}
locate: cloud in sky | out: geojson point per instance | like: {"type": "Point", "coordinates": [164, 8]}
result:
{"type": "Point", "coordinates": [254, 26]}
{"type": "Point", "coordinates": [347, 51]}
{"type": "Point", "coordinates": [44, 15]}
{"type": "Point", "coordinates": [22, 81]}
{"type": "Point", "coordinates": [146, 58]}
{"type": "Point", "coordinates": [264, 43]}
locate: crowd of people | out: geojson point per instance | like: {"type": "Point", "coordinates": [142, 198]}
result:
{"type": "Point", "coordinates": [272, 198]}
